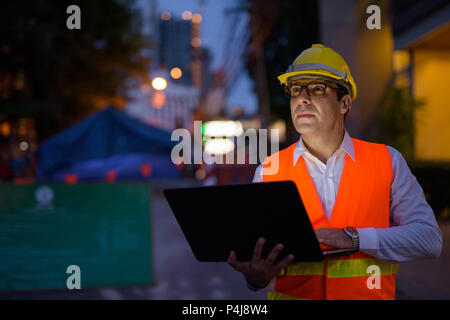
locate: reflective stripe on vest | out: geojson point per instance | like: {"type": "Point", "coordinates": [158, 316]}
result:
{"type": "Point", "coordinates": [280, 296]}
{"type": "Point", "coordinates": [358, 268]}
{"type": "Point", "coordinates": [303, 268]}
{"type": "Point", "coordinates": [362, 201]}
{"type": "Point", "coordinates": [339, 268]}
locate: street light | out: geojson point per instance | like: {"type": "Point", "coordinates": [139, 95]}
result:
{"type": "Point", "coordinates": [159, 83]}
{"type": "Point", "coordinates": [176, 73]}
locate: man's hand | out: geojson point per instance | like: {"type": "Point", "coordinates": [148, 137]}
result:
{"type": "Point", "coordinates": [334, 238]}
{"type": "Point", "coordinates": [258, 271]}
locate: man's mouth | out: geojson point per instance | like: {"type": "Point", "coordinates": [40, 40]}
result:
{"type": "Point", "coordinates": [304, 115]}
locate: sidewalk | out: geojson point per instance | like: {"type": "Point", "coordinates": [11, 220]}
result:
{"type": "Point", "coordinates": [427, 279]}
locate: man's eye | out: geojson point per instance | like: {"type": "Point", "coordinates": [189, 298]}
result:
{"type": "Point", "coordinates": [318, 88]}
{"type": "Point", "coordinates": [295, 90]}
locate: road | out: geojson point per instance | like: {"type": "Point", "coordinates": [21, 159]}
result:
{"type": "Point", "coordinates": [179, 276]}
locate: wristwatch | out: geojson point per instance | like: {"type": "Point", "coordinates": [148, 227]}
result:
{"type": "Point", "coordinates": [354, 236]}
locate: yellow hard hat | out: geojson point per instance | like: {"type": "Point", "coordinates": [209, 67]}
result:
{"type": "Point", "coordinates": [320, 61]}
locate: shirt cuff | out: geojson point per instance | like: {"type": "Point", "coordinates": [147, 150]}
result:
{"type": "Point", "coordinates": [368, 240]}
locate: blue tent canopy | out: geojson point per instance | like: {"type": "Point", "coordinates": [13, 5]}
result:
{"type": "Point", "coordinates": [107, 143]}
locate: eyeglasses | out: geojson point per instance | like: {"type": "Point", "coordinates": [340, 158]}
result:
{"type": "Point", "coordinates": [313, 89]}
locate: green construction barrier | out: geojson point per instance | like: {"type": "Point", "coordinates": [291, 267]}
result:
{"type": "Point", "coordinates": [104, 229]}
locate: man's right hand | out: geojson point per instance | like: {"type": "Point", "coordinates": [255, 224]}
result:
{"type": "Point", "coordinates": [258, 271]}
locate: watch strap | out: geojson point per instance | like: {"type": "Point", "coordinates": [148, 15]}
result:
{"type": "Point", "coordinates": [354, 236]}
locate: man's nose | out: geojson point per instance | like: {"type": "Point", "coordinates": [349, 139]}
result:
{"type": "Point", "coordinates": [303, 96]}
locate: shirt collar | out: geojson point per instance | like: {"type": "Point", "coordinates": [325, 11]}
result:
{"type": "Point", "coordinates": [346, 145]}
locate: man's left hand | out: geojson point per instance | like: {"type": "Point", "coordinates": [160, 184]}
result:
{"type": "Point", "coordinates": [334, 238]}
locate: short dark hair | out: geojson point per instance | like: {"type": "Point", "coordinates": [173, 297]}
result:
{"type": "Point", "coordinates": [341, 91]}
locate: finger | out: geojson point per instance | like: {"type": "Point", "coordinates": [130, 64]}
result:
{"type": "Point", "coordinates": [258, 250]}
{"type": "Point", "coordinates": [274, 254]}
{"type": "Point", "coordinates": [237, 265]}
{"type": "Point", "coordinates": [284, 263]}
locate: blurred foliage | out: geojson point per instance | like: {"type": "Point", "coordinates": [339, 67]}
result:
{"type": "Point", "coordinates": [434, 178]}
{"type": "Point", "coordinates": [396, 127]}
{"type": "Point", "coordinates": [296, 28]}
{"type": "Point", "coordinates": [58, 76]}
{"type": "Point", "coordinates": [396, 120]}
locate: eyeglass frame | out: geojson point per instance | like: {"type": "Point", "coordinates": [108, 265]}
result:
{"type": "Point", "coordinates": [326, 83]}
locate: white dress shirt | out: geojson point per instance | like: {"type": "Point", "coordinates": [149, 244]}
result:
{"type": "Point", "coordinates": [413, 232]}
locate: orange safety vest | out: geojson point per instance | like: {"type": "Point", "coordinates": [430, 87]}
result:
{"type": "Point", "coordinates": [362, 201]}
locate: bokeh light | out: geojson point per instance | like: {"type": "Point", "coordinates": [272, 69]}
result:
{"type": "Point", "coordinates": [5, 129]}
{"type": "Point", "coordinates": [24, 146]}
{"type": "Point", "coordinates": [159, 83]}
{"type": "Point", "coordinates": [196, 42]}
{"type": "Point", "coordinates": [176, 73]}
{"type": "Point", "coordinates": [197, 18]}
{"type": "Point", "coordinates": [166, 15]}
{"type": "Point", "coordinates": [158, 99]}
{"type": "Point", "coordinates": [186, 15]}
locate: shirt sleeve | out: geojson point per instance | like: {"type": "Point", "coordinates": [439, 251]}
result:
{"type": "Point", "coordinates": [258, 174]}
{"type": "Point", "coordinates": [413, 232]}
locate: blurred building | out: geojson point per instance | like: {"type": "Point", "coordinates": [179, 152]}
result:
{"type": "Point", "coordinates": [185, 66]}
{"type": "Point", "coordinates": [175, 48]}
{"type": "Point", "coordinates": [411, 49]}
{"type": "Point", "coordinates": [148, 25]}
{"type": "Point", "coordinates": [168, 109]}
{"type": "Point", "coordinates": [422, 52]}
{"type": "Point", "coordinates": [18, 144]}
{"type": "Point", "coordinates": [207, 75]}
{"type": "Point", "coordinates": [180, 46]}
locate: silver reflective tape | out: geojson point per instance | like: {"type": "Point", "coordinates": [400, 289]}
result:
{"type": "Point", "coordinates": [309, 66]}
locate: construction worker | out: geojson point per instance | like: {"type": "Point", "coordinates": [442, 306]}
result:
{"type": "Point", "coordinates": [358, 195]}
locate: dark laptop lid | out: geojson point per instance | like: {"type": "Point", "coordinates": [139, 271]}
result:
{"type": "Point", "coordinates": [218, 219]}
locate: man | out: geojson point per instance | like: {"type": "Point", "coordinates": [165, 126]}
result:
{"type": "Point", "coordinates": [357, 194]}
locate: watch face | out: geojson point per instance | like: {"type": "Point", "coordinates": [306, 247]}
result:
{"type": "Point", "coordinates": [352, 230]}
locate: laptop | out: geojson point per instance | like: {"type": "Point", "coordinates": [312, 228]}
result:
{"type": "Point", "coordinates": [218, 219]}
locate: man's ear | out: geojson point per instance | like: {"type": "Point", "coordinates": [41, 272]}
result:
{"type": "Point", "coordinates": [346, 104]}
